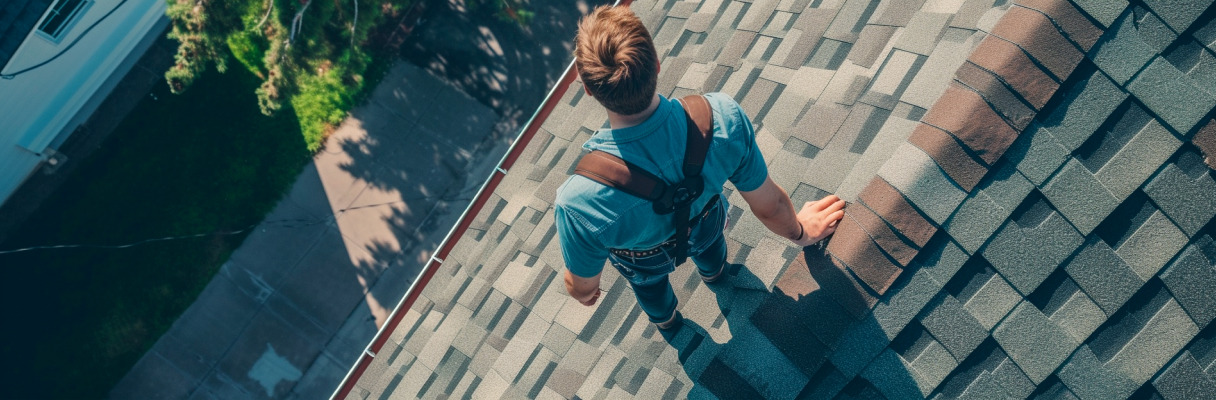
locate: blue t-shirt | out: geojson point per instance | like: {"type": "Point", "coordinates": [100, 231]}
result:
{"type": "Point", "coordinates": [592, 218]}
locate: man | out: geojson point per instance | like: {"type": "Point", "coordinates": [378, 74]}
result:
{"type": "Point", "coordinates": [617, 63]}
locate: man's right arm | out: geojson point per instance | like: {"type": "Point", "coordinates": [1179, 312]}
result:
{"type": "Point", "coordinates": [773, 207]}
{"type": "Point", "coordinates": [580, 252]}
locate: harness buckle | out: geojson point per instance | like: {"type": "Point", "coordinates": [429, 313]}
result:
{"type": "Point", "coordinates": [680, 195]}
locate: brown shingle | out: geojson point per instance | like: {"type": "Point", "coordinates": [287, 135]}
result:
{"type": "Point", "coordinates": [890, 242]}
{"type": "Point", "coordinates": [889, 204]}
{"type": "Point", "coordinates": [965, 114]}
{"type": "Point", "coordinates": [797, 282]}
{"type": "Point", "coordinates": [1015, 68]}
{"type": "Point", "coordinates": [1205, 140]}
{"type": "Point", "coordinates": [854, 247]}
{"type": "Point", "coordinates": [1078, 28]}
{"type": "Point", "coordinates": [1016, 112]}
{"type": "Point", "coordinates": [835, 281]}
{"type": "Point", "coordinates": [949, 154]}
{"type": "Point", "coordinates": [1037, 35]}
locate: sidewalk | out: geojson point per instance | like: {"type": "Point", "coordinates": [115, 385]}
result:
{"type": "Point", "coordinates": [290, 311]}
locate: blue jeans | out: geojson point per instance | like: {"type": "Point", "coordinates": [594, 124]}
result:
{"type": "Point", "coordinates": [648, 275]}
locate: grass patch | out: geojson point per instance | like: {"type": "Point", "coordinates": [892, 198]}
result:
{"type": "Point", "coordinates": [203, 161]}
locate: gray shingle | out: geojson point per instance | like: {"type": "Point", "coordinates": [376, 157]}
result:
{"type": "Point", "coordinates": [1103, 275]}
{"type": "Point", "coordinates": [1179, 14]}
{"type": "Point", "coordinates": [932, 366]}
{"type": "Point", "coordinates": [1197, 64]}
{"type": "Point", "coordinates": [1191, 278]}
{"type": "Point", "coordinates": [1078, 195]}
{"type": "Point", "coordinates": [953, 326]}
{"type": "Point", "coordinates": [1153, 30]}
{"type": "Point", "coordinates": [849, 20]}
{"type": "Point", "coordinates": [1084, 109]}
{"type": "Point", "coordinates": [1161, 338]}
{"type": "Point", "coordinates": [1153, 244]}
{"type": "Point", "coordinates": [1190, 201]}
{"type": "Point", "coordinates": [862, 342]}
{"type": "Point", "coordinates": [1121, 52]}
{"type": "Point", "coordinates": [992, 301]}
{"type": "Point", "coordinates": [761, 364]}
{"type": "Point", "coordinates": [1053, 240]}
{"type": "Point", "coordinates": [1037, 154]}
{"type": "Point", "coordinates": [924, 183]}
{"type": "Point", "coordinates": [1160, 86]}
{"type": "Point", "coordinates": [812, 23]}
{"type": "Point", "coordinates": [1137, 160]}
{"type": "Point", "coordinates": [1011, 378]}
{"type": "Point", "coordinates": [923, 32]}
{"type": "Point", "coordinates": [1033, 341]}
{"type": "Point", "coordinates": [894, 314]}
{"type": "Point", "coordinates": [896, 13]}
{"type": "Point", "coordinates": [1185, 379]}
{"type": "Point", "coordinates": [969, 13]}
{"type": "Point", "coordinates": [892, 376]}
{"type": "Point", "coordinates": [893, 133]}
{"type": "Point", "coordinates": [938, 69]}
{"type": "Point", "coordinates": [1091, 380]}
{"type": "Point", "coordinates": [976, 220]}
{"type": "Point", "coordinates": [1006, 186]}
{"type": "Point", "coordinates": [758, 14]}
{"type": "Point", "coordinates": [941, 259]}
{"type": "Point", "coordinates": [1104, 11]}
{"type": "Point", "coordinates": [1079, 316]}
{"type": "Point", "coordinates": [870, 44]}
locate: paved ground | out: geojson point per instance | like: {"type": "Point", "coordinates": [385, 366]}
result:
{"type": "Point", "coordinates": [290, 312]}
{"type": "Point", "coordinates": [288, 315]}
{"type": "Point", "coordinates": [505, 66]}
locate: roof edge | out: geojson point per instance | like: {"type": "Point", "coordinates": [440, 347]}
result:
{"type": "Point", "coordinates": [466, 219]}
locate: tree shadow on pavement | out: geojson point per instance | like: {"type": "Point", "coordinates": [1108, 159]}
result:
{"type": "Point", "coordinates": [503, 65]}
{"type": "Point", "coordinates": [782, 342]}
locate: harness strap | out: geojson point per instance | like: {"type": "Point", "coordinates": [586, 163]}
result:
{"type": "Point", "coordinates": [677, 198]}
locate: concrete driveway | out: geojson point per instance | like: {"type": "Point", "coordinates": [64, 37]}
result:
{"type": "Point", "coordinates": [295, 305]}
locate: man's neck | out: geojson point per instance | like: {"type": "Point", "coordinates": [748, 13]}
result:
{"type": "Point", "coordinates": [618, 121]}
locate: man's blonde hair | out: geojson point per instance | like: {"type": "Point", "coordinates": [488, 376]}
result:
{"type": "Point", "coordinates": [616, 59]}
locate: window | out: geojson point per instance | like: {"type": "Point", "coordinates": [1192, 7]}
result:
{"type": "Point", "coordinates": [63, 14]}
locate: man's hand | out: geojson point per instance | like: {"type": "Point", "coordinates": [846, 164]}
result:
{"type": "Point", "coordinates": [819, 219]}
{"type": "Point", "coordinates": [595, 297]}
{"type": "Point", "coordinates": [773, 208]}
{"type": "Point", "coordinates": [584, 290]}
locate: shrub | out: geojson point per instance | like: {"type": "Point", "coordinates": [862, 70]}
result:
{"type": "Point", "coordinates": [310, 54]}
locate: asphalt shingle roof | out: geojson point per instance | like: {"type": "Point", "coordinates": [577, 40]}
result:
{"type": "Point", "coordinates": [1030, 214]}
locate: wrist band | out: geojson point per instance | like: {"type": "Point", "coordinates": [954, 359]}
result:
{"type": "Point", "coordinates": [801, 232]}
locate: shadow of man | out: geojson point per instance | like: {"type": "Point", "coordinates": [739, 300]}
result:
{"type": "Point", "coordinates": [779, 342]}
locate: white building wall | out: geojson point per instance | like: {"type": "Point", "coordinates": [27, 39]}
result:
{"type": "Point", "coordinates": [38, 105]}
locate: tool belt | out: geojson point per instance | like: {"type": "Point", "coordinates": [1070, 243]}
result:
{"type": "Point", "coordinates": [669, 243]}
{"type": "Point", "coordinates": [666, 198]}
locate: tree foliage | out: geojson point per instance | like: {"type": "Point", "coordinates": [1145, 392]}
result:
{"type": "Point", "coordinates": [310, 54]}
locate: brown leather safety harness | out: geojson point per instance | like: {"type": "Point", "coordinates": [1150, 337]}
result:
{"type": "Point", "coordinates": [666, 198]}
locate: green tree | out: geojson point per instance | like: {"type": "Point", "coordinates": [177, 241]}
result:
{"type": "Point", "coordinates": [311, 55]}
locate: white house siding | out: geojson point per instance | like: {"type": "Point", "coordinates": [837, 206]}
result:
{"type": "Point", "coordinates": [37, 106]}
